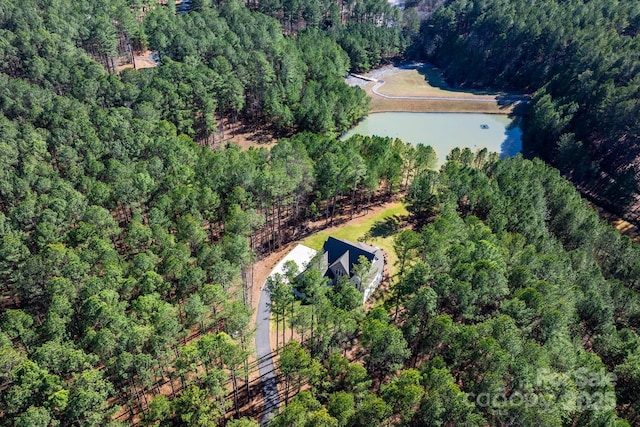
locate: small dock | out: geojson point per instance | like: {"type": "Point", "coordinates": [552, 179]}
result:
{"type": "Point", "coordinates": [359, 76]}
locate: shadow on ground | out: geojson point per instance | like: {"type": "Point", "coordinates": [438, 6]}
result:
{"type": "Point", "coordinates": [386, 227]}
{"type": "Point", "coordinates": [434, 77]}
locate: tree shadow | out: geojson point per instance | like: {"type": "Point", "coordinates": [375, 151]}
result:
{"type": "Point", "coordinates": [517, 103]}
{"type": "Point", "coordinates": [386, 227]}
{"type": "Point", "coordinates": [512, 143]}
{"type": "Point", "coordinates": [434, 77]}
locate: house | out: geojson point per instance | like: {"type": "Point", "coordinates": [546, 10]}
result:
{"type": "Point", "coordinates": [341, 258]}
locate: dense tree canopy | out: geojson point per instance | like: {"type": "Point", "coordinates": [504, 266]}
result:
{"type": "Point", "coordinates": [580, 59]}
{"type": "Point", "coordinates": [126, 241]}
{"type": "Point", "coordinates": [509, 307]}
{"type": "Point", "coordinates": [123, 243]}
{"type": "Point", "coordinates": [254, 70]}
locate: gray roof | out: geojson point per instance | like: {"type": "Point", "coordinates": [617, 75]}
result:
{"type": "Point", "coordinates": [344, 254]}
{"type": "Point", "coordinates": [341, 263]}
{"type": "Point", "coordinates": [365, 247]}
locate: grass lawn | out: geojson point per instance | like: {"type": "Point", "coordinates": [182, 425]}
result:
{"type": "Point", "coordinates": [377, 230]}
{"type": "Point", "coordinates": [384, 105]}
{"type": "Point", "coordinates": [427, 81]}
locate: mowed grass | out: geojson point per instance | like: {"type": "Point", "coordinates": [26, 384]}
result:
{"type": "Point", "coordinates": [384, 105]}
{"type": "Point", "coordinates": [427, 81]}
{"type": "Point", "coordinates": [378, 230]}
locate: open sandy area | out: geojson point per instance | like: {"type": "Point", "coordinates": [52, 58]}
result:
{"type": "Point", "coordinates": [245, 136]}
{"type": "Point", "coordinates": [146, 59]}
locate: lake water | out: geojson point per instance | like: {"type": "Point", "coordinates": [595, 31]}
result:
{"type": "Point", "coordinates": [445, 131]}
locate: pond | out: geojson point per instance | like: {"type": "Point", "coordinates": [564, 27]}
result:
{"type": "Point", "coordinates": [445, 131]}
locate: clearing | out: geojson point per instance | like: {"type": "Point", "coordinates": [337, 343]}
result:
{"type": "Point", "coordinates": [146, 59]}
{"type": "Point", "coordinates": [376, 228]}
{"type": "Point", "coordinates": [409, 87]}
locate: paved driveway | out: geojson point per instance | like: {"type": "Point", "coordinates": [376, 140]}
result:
{"type": "Point", "coordinates": [301, 255]}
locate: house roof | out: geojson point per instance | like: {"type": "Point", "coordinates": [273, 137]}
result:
{"type": "Point", "coordinates": [338, 250]}
{"type": "Point", "coordinates": [364, 246]}
{"type": "Point", "coordinates": [339, 257]}
{"type": "Point", "coordinates": [341, 263]}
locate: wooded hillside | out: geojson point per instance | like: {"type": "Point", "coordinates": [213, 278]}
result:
{"type": "Point", "coordinates": [125, 241]}
{"type": "Point", "coordinates": [579, 59]}
{"type": "Point", "coordinates": [514, 304]}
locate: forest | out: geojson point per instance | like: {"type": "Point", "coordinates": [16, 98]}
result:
{"type": "Point", "coordinates": [579, 59]}
{"type": "Point", "coordinates": [126, 241]}
{"type": "Point", "coordinates": [128, 231]}
{"type": "Point", "coordinates": [514, 304]}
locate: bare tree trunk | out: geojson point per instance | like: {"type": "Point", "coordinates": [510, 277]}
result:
{"type": "Point", "coordinates": [333, 206]}
{"type": "Point", "coordinates": [251, 280]}
{"type": "Point", "coordinates": [353, 201]}
{"type": "Point", "coordinates": [236, 403]}
{"type": "Point", "coordinates": [173, 390]}
{"type": "Point", "coordinates": [279, 222]}
{"type": "Point", "coordinates": [286, 390]}
{"type": "Point", "coordinates": [272, 240]}
{"type": "Point", "coordinates": [277, 324]}
{"type": "Point", "coordinates": [244, 286]}
{"type": "Point", "coordinates": [246, 368]}
{"type": "Point", "coordinates": [312, 319]}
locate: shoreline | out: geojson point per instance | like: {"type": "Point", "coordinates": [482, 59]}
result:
{"type": "Point", "coordinates": [496, 113]}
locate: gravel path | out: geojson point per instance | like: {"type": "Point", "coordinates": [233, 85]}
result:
{"type": "Point", "coordinates": [375, 88]}
{"type": "Point", "coordinates": [270, 396]}
{"type": "Point", "coordinates": [379, 73]}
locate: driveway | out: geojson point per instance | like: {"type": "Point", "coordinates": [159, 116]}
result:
{"type": "Point", "coordinates": [301, 255]}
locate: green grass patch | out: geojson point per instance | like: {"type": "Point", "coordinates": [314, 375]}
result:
{"type": "Point", "coordinates": [378, 230]}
